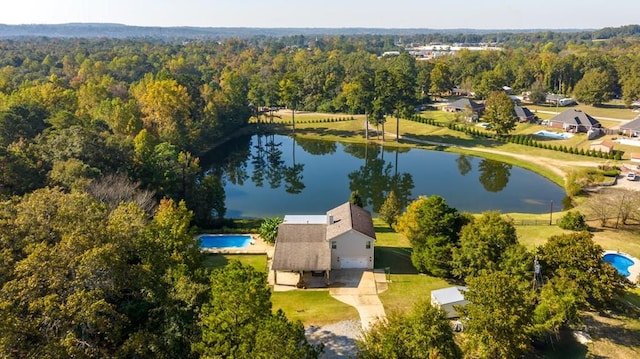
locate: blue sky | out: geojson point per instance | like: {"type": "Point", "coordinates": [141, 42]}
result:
{"type": "Point", "coordinates": [443, 14]}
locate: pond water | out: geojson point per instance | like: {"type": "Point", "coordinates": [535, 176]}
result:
{"type": "Point", "coordinates": [268, 175]}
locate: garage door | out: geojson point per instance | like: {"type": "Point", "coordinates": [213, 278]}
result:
{"type": "Point", "coordinates": [354, 262]}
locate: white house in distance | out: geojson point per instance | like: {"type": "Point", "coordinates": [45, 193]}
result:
{"type": "Point", "coordinates": [313, 245]}
{"type": "Point", "coordinates": [447, 298]}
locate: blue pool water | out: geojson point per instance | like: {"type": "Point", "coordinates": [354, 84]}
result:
{"type": "Point", "coordinates": [619, 262]}
{"type": "Point", "coordinates": [224, 240]}
{"type": "Point", "coordinates": [554, 135]}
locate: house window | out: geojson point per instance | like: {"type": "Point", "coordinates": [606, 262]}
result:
{"type": "Point", "coordinates": [368, 244]}
{"type": "Point", "coordinates": [333, 245]}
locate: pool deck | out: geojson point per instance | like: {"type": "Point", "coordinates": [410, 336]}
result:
{"type": "Point", "coordinates": [634, 269]}
{"type": "Point", "coordinates": [258, 247]}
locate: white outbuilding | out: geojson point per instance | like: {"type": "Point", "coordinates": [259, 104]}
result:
{"type": "Point", "coordinates": [447, 298]}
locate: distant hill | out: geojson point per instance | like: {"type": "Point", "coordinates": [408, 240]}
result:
{"type": "Point", "coordinates": [93, 30]}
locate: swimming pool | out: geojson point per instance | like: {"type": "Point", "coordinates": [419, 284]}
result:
{"type": "Point", "coordinates": [554, 135]}
{"type": "Point", "coordinates": [224, 240]}
{"type": "Point", "coordinates": [619, 262]}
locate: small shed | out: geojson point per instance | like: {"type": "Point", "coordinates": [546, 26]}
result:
{"type": "Point", "coordinates": [602, 146]}
{"type": "Point", "coordinates": [635, 157]}
{"type": "Point", "coordinates": [447, 298]}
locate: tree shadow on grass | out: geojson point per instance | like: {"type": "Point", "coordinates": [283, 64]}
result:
{"type": "Point", "coordinates": [397, 259]}
{"type": "Point", "coordinates": [612, 329]}
{"type": "Point", "coordinates": [565, 348]}
{"type": "Point", "coordinates": [213, 261]}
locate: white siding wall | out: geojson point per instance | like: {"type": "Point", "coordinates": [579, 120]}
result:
{"type": "Point", "coordinates": [350, 245]}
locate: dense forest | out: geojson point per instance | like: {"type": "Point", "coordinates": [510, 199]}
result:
{"type": "Point", "coordinates": [101, 183]}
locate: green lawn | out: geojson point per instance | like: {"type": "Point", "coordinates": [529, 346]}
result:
{"type": "Point", "coordinates": [257, 261]}
{"type": "Point", "coordinates": [313, 307]}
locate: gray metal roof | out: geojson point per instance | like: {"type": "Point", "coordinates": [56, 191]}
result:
{"type": "Point", "coordinates": [305, 219]}
{"type": "Point", "coordinates": [448, 295]}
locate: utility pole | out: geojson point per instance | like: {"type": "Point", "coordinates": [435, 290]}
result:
{"type": "Point", "coordinates": [551, 213]}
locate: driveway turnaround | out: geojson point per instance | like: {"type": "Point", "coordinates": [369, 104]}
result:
{"type": "Point", "coordinates": [358, 289]}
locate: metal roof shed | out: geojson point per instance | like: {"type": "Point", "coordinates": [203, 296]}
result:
{"type": "Point", "coordinates": [447, 298]}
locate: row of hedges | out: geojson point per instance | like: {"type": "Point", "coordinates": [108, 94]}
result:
{"type": "Point", "coordinates": [323, 120]}
{"type": "Point", "coordinates": [525, 140]}
{"type": "Point", "coordinates": [528, 140]}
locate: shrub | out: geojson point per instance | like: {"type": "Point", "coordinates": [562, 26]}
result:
{"type": "Point", "coordinates": [573, 221]}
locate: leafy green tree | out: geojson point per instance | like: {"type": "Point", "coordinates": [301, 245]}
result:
{"type": "Point", "coordinates": [490, 81]}
{"type": "Point", "coordinates": [424, 332]}
{"type": "Point", "coordinates": [500, 112]}
{"type": "Point", "coordinates": [269, 229]}
{"type": "Point", "coordinates": [576, 257]}
{"type": "Point", "coordinates": [482, 244]}
{"type": "Point", "coordinates": [538, 93]}
{"type": "Point", "coordinates": [355, 199]}
{"type": "Point", "coordinates": [390, 209]}
{"type": "Point", "coordinates": [432, 227]}
{"type": "Point", "coordinates": [499, 316]}
{"type": "Point", "coordinates": [290, 93]}
{"type": "Point", "coordinates": [556, 309]}
{"type": "Point", "coordinates": [440, 79]}
{"type": "Point", "coordinates": [403, 72]}
{"type": "Point", "coordinates": [280, 338]}
{"type": "Point", "coordinates": [574, 221]}
{"type": "Point", "coordinates": [594, 88]}
{"type": "Point", "coordinates": [238, 311]}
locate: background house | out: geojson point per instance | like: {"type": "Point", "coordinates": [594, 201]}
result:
{"type": "Point", "coordinates": [343, 238]}
{"type": "Point", "coordinates": [631, 128]}
{"type": "Point", "coordinates": [523, 114]}
{"type": "Point", "coordinates": [573, 120]}
{"type": "Point", "coordinates": [463, 104]}
{"type": "Point", "coordinates": [447, 298]}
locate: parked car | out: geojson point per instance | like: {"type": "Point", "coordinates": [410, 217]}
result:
{"type": "Point", "coordinates": [631, 176]}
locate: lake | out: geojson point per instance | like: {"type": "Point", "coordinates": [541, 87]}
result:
{"type": "Point", "coordinates": [269, 175]}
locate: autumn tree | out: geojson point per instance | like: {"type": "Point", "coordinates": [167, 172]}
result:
{"type": "Point", "coordinates": [500, 112]}
{"type": "Point", "coordinates": [166, 107]}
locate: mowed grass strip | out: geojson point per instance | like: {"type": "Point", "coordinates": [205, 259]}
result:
{"type": "Point", "coordinates": [313, 307]}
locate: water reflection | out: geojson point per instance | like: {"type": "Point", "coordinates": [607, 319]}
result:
{"type": "Point", "coordinates": [464, 165]}
{"type": "Point", "coordinates": [376, 178]}
{"type": "Point", "coordinates": [266, 175]}
{"type": "Point", "coordinates": [494, 175]}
